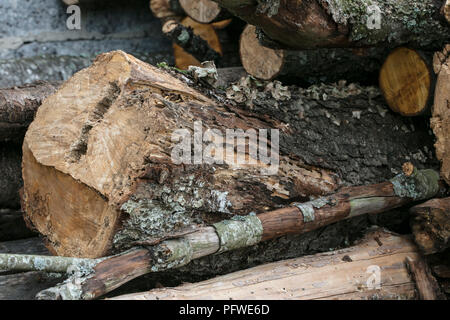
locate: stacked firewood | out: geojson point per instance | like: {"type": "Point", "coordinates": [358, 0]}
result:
{"type": "Point", "coordinates": [102, 188]}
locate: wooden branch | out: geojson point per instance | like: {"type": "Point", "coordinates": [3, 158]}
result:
{"type": "Point", "coordinates": [183, 36]}
{"type": "Point", "coordinates": [25, 262]}
{"type": "Point", "coordinates": [426, 284]}
{"type": "Point", "coordinates": [335, 23]}
{"type": "Point", "coordinates": [308, 66]}
{"type": "Point", "coordinates": [191, 54]}
{"type": "Point", "coordinates": [245, 231]}
{"type": "Point", "coordinates": [431, 225]}
{"type": "Point", "coordinates": [346, 274]}
{"type": "Point", "coordinates": [18, 106]}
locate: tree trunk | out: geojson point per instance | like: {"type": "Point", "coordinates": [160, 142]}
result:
{"type": "Point", "coordinates": [440, 122]}
{"type": "Point", "coordinates": [407, 81]}
{"type": "Point", "coordinates": [348, 274]}
{"type": "Point", "coordinates": [309, 66]}
{"type": "Point", "coordinates": [431, 225]}
{"type": "Point", "coordinates": [18, 106]}
{"type": "Point", "coordinates": [339, 23]}
{"type": "Point", "coordinates": [112, 177]}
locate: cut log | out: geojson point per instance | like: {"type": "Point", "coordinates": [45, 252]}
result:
{"type": "Point", "coordinates": [183, 59]}
{"type": "Point", "coordinates": [309, 66]}
{"type": "Point", "coordinates": [431, 225]}
{"type": "Point", "coordinates": [10, 176]}
{"type": "Point", "coordinates": [110, 179]}
{"type": "Point", "coordinates": [335, 23]}
{"type": "Point", "coordinates": [202, 11]}
{"type": "Point", "coordinates": [12, 226]}
{"type": "Point", "coordinates": [440, 122]}
{"type": "Point", "coordinates": [407, 81]}
{"type": "Point", "coordinates": [373, 269]}
{"type": "Point", "coordinates": [18, 106]}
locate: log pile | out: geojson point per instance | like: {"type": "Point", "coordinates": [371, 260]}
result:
{"type": "Point", "coordinates": [271, 173]}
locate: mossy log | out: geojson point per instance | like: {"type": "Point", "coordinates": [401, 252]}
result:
{"type": "Point", "coordinates": [110, 179]}
{"type": "Point", "coordinates": [309, 66]}
{"type": "Point", "coordinates": [346, 23]}
{"type": "Point", "coordinates": [431, 225]}
{"type": "Point", "coordinates": [346, 274]}
{"type": "Point", "coordinates": [440, 122]}
{"type": "Point", "coordinates": [18, 106]}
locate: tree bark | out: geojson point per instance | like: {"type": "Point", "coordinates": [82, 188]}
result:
{"type": "Point", "coordinates": [10, 176]}
{"type": "Point", "coordinates": [440, 122]}
{"type": "Point", "coordinates": [18, 106]}
{"type": "Point", "coordinates": [12, 226]}
{"type": "Point", "coordinates": [347, 274]}
{"type": "Point", "coordinates": [110, 179]}
{"type": "Point", "coordinates": [309, 66]}
{"type": "Point", "coordinates": [341, 23]}
{"type": "Point", "coordinates": [431, 225]}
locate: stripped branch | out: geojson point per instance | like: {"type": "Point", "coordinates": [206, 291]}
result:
{"type": "Point", "coordinates": [243, 231]}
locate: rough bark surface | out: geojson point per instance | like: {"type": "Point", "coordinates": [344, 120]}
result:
{"type": "Point", "coordinates": [111, 181]}
{"type": "Point", "coordinates": [10, 175]}
{"type": "Point", "coordinates": [431, 225]}
{"type": "Point", "coordinates": [440, 122]}
{"type": "Point", "coordinates": [18, 106]}
{"type": "Point", "coordinates": [342, 23]}
{"type": "Point", "coordinates": [342, 274]}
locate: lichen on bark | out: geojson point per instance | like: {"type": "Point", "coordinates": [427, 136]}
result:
{"type": "Point", "coordinates": [413, 22]}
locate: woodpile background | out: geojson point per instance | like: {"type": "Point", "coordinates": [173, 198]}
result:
{"type": "Point", "coordinates": [93, 206]}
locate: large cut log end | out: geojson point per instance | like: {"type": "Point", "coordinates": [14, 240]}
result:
{"type": "Point", "coordinates": [71, 193]}
{"type": "Point", "coordinates": [406, 82]}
